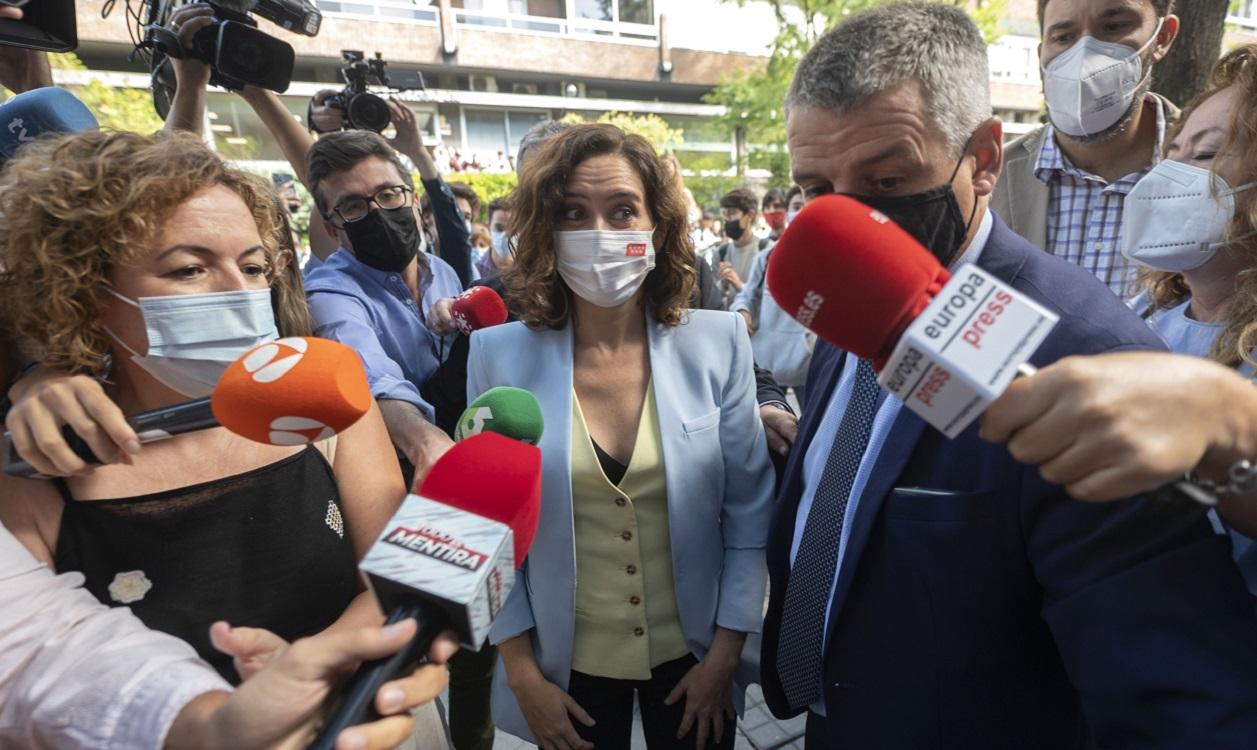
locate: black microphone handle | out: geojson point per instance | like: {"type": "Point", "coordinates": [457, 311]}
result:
{"type": "Point", "coordinates": [149, 426]}
{"type": "Point", "coordinates": [358, 705]}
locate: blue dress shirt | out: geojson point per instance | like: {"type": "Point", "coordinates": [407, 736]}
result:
{"type": "Point", "coordinates": [374, 313]}
{"type": "Point", "coordinates": [827, 431]}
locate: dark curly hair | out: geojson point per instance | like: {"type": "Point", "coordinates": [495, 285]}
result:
{"type": "Point", "coordinates": [535, 290]}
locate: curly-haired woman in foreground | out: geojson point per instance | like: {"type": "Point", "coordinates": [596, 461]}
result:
{"type": "Point", "coordinates": [149, 261]}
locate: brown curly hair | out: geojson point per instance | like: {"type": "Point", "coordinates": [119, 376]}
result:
{"type": "Point", "coordinates": [75, 206]}
{"type": "Point", "coordinates": [1235, 343]}
{"type": "Point", "coordinates": [535, 290]}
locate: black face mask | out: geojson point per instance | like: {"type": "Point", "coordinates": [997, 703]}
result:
{"type": "Point", "coordinates": [386, 239]}
{"type": "Point", "coordinates": [734, 230]}
{"type": "Point", "coordinates": [932, 217]}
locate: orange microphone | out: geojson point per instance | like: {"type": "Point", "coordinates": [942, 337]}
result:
{"type": "Point", "coordinates": [292, 391]}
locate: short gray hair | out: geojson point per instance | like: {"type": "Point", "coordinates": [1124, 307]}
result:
{"type": "Point", "coordinates": [874, 51]}
{"type": "Point", "coordinates": [537, 135]}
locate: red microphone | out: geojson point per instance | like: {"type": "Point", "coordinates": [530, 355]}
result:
{"type": "Point", "coordinates": [852, 276]}
{"type": "Point", "coordinates": [478, 307]}
{"type": "Point", "coordinates": [448, 557]}
{"type": "Point", "coordinates": [946, 344]}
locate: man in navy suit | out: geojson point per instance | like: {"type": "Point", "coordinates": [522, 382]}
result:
{"type": "Point", "coordinates": [935, 593]}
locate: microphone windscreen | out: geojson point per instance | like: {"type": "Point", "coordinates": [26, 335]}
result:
{"type": "Point", "coordinates": [853, 276]}
{"type": "Point", "coordinates": [37, 112]}
{"type": "Point", "coordinates": [494, 477]}
{"type": "Point", "coordinates": [292, 391]}
{"type": "Point", "coordinates": [513, 412]}
{"type": "Point", "coordinates": [478, 307]}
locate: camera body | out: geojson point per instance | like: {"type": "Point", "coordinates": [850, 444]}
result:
{"type": "Point", "coordinates": [363, 110]}
{"type": "Point", "coordinates": [237, 52]}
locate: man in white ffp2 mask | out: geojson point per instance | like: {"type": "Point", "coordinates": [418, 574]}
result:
{"type": "Point", "coordinates": [1064, 185]}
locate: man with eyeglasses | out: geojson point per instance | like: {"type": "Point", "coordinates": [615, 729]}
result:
{"type": "Point", "coordinates": [374, 292]}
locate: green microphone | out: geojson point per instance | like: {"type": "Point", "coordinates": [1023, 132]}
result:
{"type": "Point", "coordinates": [513, 412]}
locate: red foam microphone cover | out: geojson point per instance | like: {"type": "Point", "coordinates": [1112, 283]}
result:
{"type": "Point", "coordinates": [853, 276]}
{"type": "Point", "coordinates": [494, 477]}
{"type": "Point", "coordinates": [292, 391]}
{"type": "Point", "coordinates": [478, 307]}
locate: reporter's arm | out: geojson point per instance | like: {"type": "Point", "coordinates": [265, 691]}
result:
{"type": "Point", "coordinates": [451, 229]}
{"type": "Point", "coordinates": [1114, 425]}
{"type": "Point", "coordinates": [64, 654]}
{"type": "Point", "coordinates": [293, 139]}
{"type": "Point", "coordinates": [187, 108]}
{"type": "Point", "coordinates": [24, 69]}
{"type": "Point", "coordinates": [44, 400]}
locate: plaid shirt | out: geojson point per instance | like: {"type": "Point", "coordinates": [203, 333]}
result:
{"type": "Point", "coordinates": [1085, 212]}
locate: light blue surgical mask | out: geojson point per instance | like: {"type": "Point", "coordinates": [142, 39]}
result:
{"type": "Point", "coordinates": [501, 244]}
{"type": "Point", "coordinates": [192, 338]}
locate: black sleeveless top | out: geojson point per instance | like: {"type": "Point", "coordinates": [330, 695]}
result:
{"type": "Point", "coordinates": [264, 549]}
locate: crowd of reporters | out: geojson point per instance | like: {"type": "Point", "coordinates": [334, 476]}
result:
{"type": "Point", "coordinates": [1023, 585]}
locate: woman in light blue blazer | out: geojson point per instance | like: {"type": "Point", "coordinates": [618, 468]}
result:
{"type": "Point", "coordinates": [647, 574]}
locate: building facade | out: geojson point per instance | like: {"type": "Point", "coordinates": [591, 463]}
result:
{"type": "Point", "coordinates": [494, 68]}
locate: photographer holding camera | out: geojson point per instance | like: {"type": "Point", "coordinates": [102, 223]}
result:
{"type": "Point", "coordinates": [453, 234]}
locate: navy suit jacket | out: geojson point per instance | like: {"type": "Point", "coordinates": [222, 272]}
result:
{"type": "Point", "coordinates": [980, 607]}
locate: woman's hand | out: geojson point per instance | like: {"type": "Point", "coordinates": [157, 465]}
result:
{"type": "Point", "coordinates": [44, 401]}
{"type": "Point", "coordinates": [549, 711]}
{"type": "Point", "coordinates": [185, 22]}
{"type": "Point", "coordinates": [249, 648]}
{"type": "Point", "coordinates": [706, 689]}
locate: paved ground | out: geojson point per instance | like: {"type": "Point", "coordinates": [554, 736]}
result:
{"type": "Point", "coordinates": [757, 730]}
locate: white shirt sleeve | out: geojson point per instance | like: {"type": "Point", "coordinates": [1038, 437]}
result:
{"type": "Point", "coordinates": [75, 673]}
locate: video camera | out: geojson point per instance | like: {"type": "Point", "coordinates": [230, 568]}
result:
{"type": "Point", "coordinates": [364, 110]}
{"type": "Point", "coordinates": [237, 52]}
{"type": "Point", "coordinates": [45, 25]}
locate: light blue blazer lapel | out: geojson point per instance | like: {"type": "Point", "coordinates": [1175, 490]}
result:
{"type": "Point", "coordinates": [543, 365]}
{"type": "Point", "coordinates": [664, 361]}
{"type": "Point", "coordinates": [890, 463]}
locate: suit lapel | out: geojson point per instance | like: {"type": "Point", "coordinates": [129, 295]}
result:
{"type": "Point", "coordinates": [827, 364]}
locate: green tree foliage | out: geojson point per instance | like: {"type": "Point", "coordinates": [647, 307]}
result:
{"type": "Point", "coordinates": [115, 108]}
{"type": "Point", "coordinates": [753, 100]}
{"type": "Point", "coordinates": [488, 187]}
{"type": "Point", "coordinates": [651, 127]}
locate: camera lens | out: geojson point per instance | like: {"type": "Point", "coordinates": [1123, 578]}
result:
{"type": "Point", "coordinates": [368, 112]}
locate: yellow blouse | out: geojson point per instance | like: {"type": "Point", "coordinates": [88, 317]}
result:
{"type": "Point", "coordinates": [626, 611]}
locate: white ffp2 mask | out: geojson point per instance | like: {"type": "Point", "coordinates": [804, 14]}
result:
{"type": "Point", "coordinates": [605, 267]}
{"type": "Point", "coordinates": [1176, 217]}
{"type": "Point", "coordinates": [1091, 86]}
{"type": "Point", "coordinates": [192, 338]}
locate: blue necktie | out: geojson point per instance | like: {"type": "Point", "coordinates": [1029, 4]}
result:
{"type": "Point", "coordinates": [799, 647]}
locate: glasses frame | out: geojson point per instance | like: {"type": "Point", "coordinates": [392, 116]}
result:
{"type": "Point", "coordinates": [336, 210]}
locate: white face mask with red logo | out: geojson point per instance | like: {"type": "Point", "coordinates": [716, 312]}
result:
{"type": "Point", "coordinates": [603, 267]}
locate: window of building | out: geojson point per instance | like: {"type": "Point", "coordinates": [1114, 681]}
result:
{"type": "Point", "coordinates": [596, 10]}
{"type": "Point", "coordinates": [490, 131]}
{"type": "Point", "coordinates": [424, 10]}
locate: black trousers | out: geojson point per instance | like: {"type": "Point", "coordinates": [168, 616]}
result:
{"type": "Point", "coordinates": [610, 703]}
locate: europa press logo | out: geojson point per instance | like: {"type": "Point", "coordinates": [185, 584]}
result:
{"type": "Point", "coordinates": [269, 363]}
